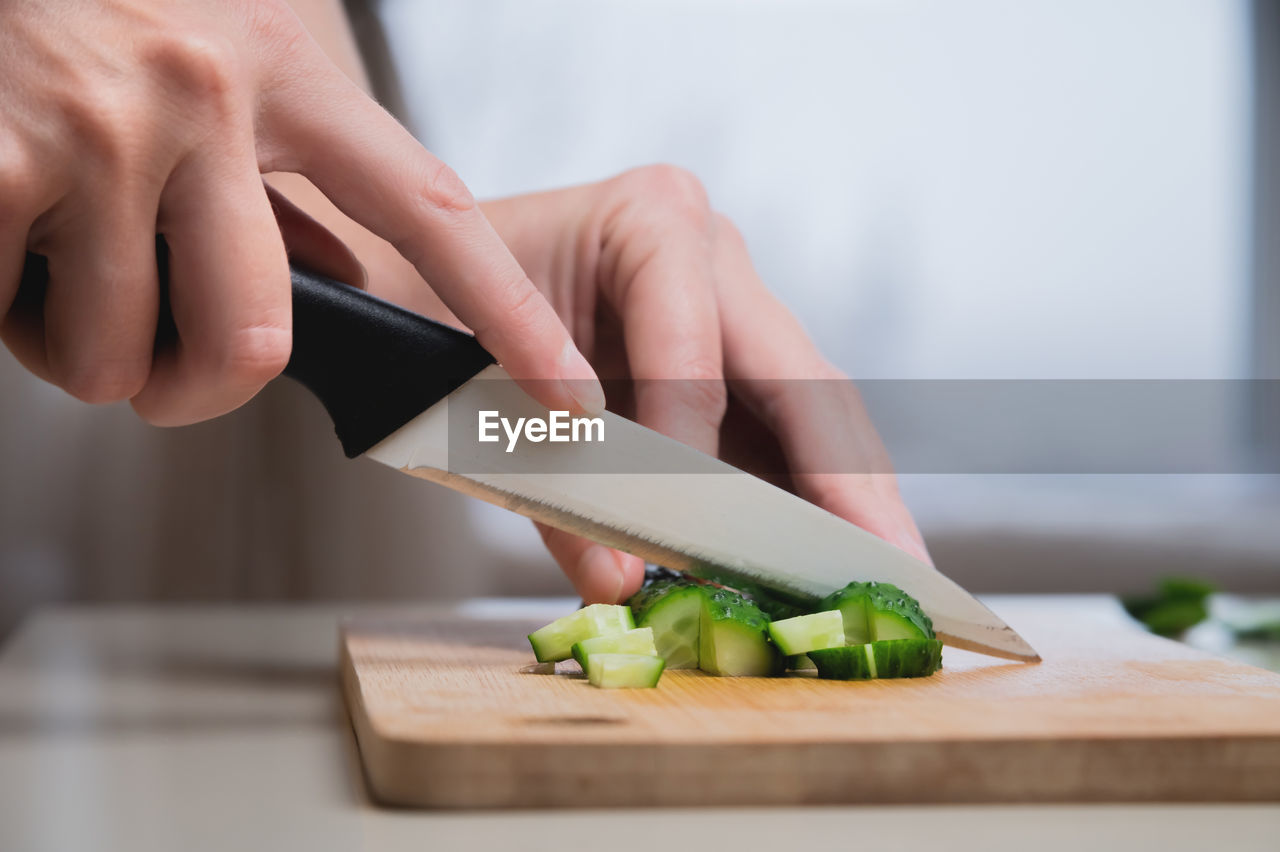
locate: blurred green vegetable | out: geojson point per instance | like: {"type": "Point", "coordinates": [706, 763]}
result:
{"type": "Point", "coordinates": [1179, 604]}
{"type": "Point", "coordinates": [1259, 632]}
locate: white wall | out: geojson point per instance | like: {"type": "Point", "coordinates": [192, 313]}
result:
{"type": "Point", "coordinates": [940, 188]}
{"type": "Point", "coordinates": [986, 188]}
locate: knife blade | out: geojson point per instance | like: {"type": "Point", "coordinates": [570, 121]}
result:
{"type": "Point", "coordinates": [394, 383]}
{"type": "Point", "coordinates": [707, 515]}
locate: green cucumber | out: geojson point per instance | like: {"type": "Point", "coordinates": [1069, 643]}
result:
{"type": "Point", "coordinates": [805, 633]}
{"type": "Point", "coordinates": [696, 625]}
{"type": "Point", "coordinates": [673, 609]}
{"type": "Point", "coordinates": [555, 641]}
{"type": "Point", "coordinates": [878, 611]}
{"type": "Point", "coordinates": [891, 658]}
{"type": "Point", "coordinates": [637, 641]}
{"type": "Point", "coordinates": [774, 603]}
{"type": "Point", "coordinates": [850, 662]}
{"type": "Point", "coordinates": [800, 663]}
{"type": "Point", "coordinates": [733, 639]}
{"type": "Point", "coordinates": [615, 671]}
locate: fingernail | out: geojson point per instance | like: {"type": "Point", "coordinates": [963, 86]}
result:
{"type": "Point", "coordinates": [580, 380]}
{"type": "Point", "coordinates": [601, 574]}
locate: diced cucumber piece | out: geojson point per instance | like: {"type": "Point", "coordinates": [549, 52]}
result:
{"type": "Point", "coordinates": [615, 671]}
{"type": "Point", "coordinates": [733, 639]}
{"type": "Point", "coordinates": [673, 609]}
{"type": "Point", "coordinates": [892, 658]}
{"type": "Point", "coordinates": [805, 633]}
{"type": "Point", "coordinates": [878, 611]}
{"type": "Point", "coordinates": [800, 663]}
{"type": "Point", "coordinates": [555, 641]}
{"type": "Point", "coordinates": [638, 641]}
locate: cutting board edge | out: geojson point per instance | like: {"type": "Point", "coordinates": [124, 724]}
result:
{"type": "Point", "coordinates": [413, 773]}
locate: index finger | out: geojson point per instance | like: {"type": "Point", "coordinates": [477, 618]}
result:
{"type": "Point", "coordinates": [368, 165]}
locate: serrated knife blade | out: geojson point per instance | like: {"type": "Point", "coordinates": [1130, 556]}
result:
{"type": "Point", "coordinates": [707, 513]}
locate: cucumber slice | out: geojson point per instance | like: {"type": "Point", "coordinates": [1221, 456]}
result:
{"type": "Point", "coordinates": [555, 641]}
{"type": "Point", "coordinates": [638, 641]}
{"type": "Point", "coordinates": [893, 658]}
{"type": "Point", "coordinates": [800, 663]}
{"type": "Point", "coordinates": [615, 671]}
{"type": "Point", "coordinates": [907, 657]}
{"type": "Point", "coordinates": [772, 602]}
{"type": "Point", "coordinates": [673, 609]}
{"type": "Point", "coordinates": [806, 633]}
{"type": "Point", "coordinates": [878, 611]}
{"type": "Point", "coordinates": [887, 626]}
{"type": "Point", "coordinates": [851, 662]}
{"type": "Point", "coordinates": [733, 639]}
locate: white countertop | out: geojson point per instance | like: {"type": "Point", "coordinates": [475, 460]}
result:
{"type": "Point", "coordinates": [221, 727]}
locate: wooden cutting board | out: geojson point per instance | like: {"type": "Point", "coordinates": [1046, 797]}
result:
{"type": "Point", "coordinates": [445, 717]}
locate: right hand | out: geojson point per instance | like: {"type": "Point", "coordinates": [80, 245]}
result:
{"type": "Point", "coordinates": [127, 118]}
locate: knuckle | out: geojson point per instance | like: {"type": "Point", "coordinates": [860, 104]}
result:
{"type": "Point", "coordinates": [676, 191]}
{"type": "Point", "coordinates": [105, 381]}
{"type": "Point", "coordinates": [703, 370]}
{"type": "Point", "coordinates": [845, 494]}
{"type": "Point", "coordinates": [18, 183]}
{"type": "Point", "coordinates": [524, 311]}
{"type": "Point", "coordinates": [699, 385]}
{"type": "Point", "coordinates": [440, 188]}
{"type": "Point", "coordinates": [255, 354]}
{"type": "Point", "coordinates": [707, 394]}
{"type": "Point", "coordinates": [103, 123]}
{"type": "Point", "coordinates": [200, 66]}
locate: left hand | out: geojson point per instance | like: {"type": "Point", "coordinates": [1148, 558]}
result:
{"type": "Point", "coordinates": [653, 284]}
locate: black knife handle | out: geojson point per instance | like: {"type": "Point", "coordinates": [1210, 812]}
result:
{"type": "Point", "coordinates": [374, 365]}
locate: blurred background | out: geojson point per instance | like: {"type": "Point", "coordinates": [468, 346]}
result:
{"type": "Point", "coordinates": [987, 189]}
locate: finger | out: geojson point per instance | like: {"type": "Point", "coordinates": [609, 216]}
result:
{"type": "Point", "coordinates": [598, 573]}
{"type": "Point", "coordinates": [835, 455]}
{"type": "Point", "coordinates": [229, 291]}
{"type": "Point", "coordinates": [378, 174]}
{"type": "Point", "coordinates": [22, 325]}
{"type": "Point", "coordinates": [666, 296]}
{"type": "Point", "coordinates": [311, 245]}
{"type": "Point", "coordinates": [102, 295]}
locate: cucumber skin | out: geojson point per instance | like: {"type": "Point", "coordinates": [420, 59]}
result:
{"type": "Point", "coordinates": [643, 601]}
{"type": "Point", "coordinates": [846, 663]}
{"type": "Point", "coordinates": [894, 658]}
{"type": "Point", "coordinates": [722, 608]}
{"type": "Point", "coordinates": [880, 597]}
{"type": "Point", "coordinates": [772, 603]}
{"type": "Point", "coordinates": [907, 657]}
{"type": "Point", "coordinates": [725, 611]}
{"type": "Point", "coordinates": [648, 605]}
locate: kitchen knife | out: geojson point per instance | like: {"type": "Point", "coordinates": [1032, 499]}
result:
{"type": "Point", "coordinates": [394, 382]}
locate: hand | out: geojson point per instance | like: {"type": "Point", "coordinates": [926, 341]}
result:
{"type": "Point", "coordinates": [127, 118]}
{"type": "Point", "coordinates": [654, 284]}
